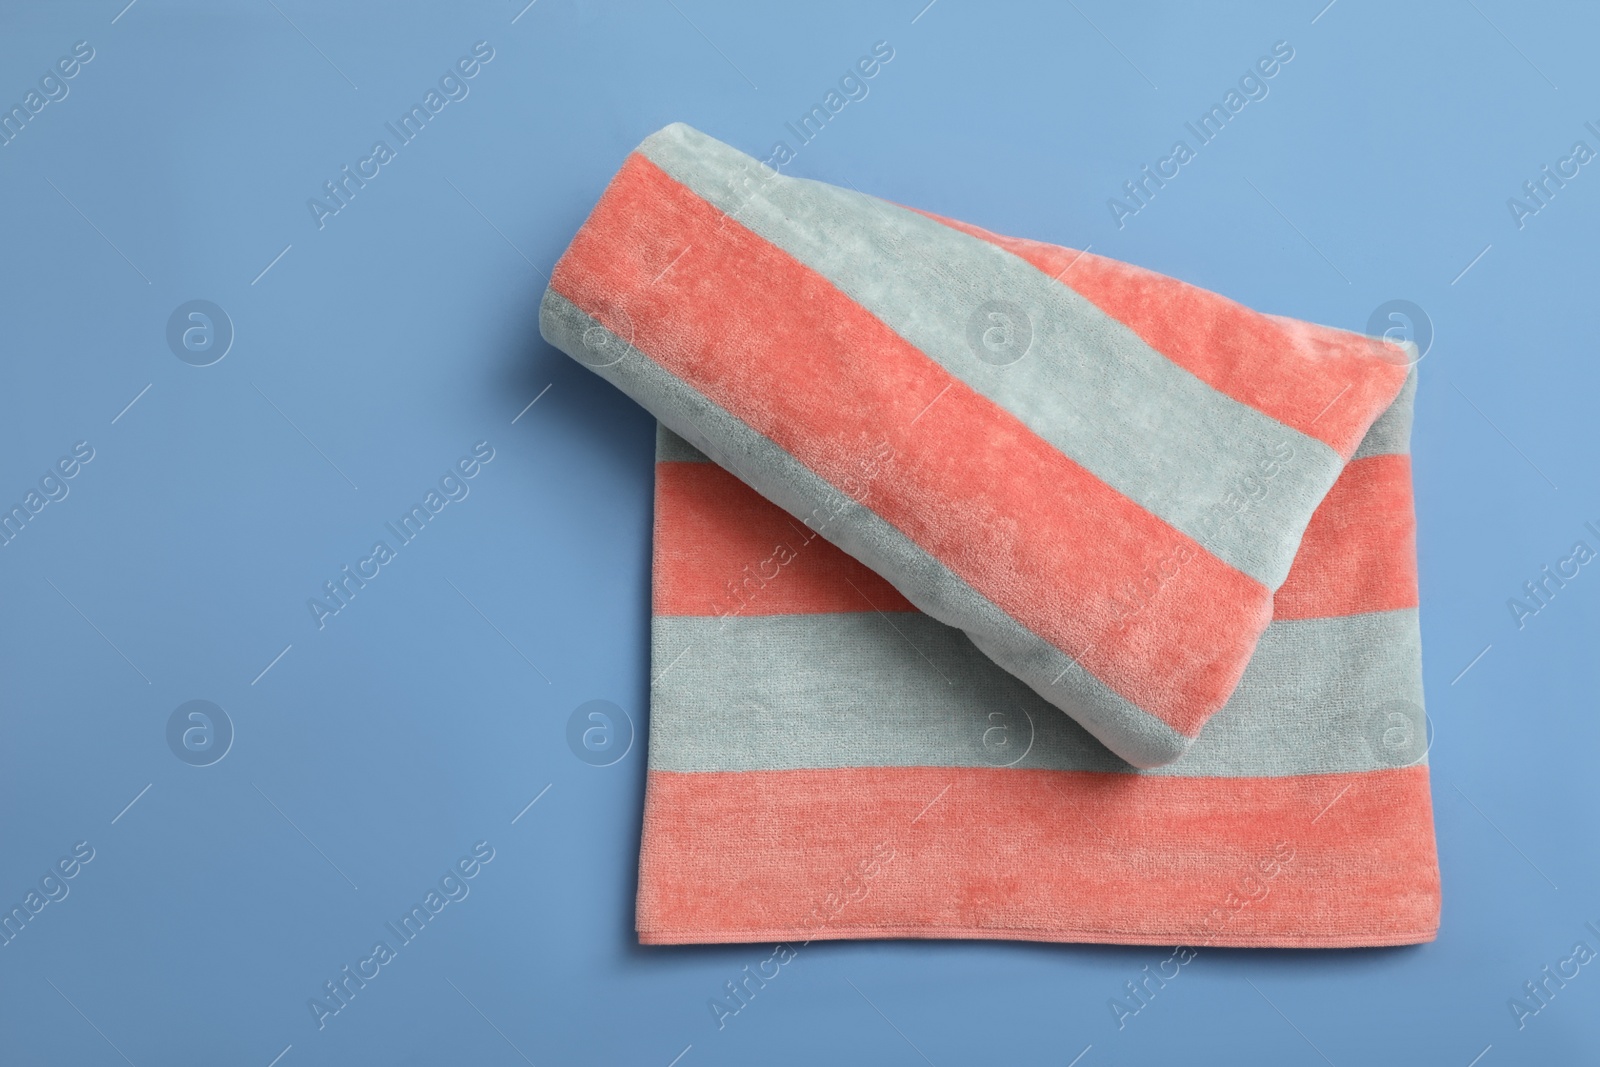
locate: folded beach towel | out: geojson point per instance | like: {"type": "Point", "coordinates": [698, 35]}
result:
{"type": "Point", "coordinates": [1097, 473]}
{"type": "Point", "coordinates": [1110, 481]}
{"type": "Point", "coordinates": [827, 762]}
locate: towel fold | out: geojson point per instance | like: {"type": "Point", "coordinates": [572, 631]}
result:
{"type": "Point", "coordinates": [1099, 474]}
{"type": "Point", "coordinates": [920, 490]}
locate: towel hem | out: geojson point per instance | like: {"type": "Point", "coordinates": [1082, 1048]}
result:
{"type": "Point", "coordinates": [781, 934]}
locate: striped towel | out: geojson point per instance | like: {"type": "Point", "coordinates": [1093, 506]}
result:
{"type": "Point", "coordinates": [916, 484]}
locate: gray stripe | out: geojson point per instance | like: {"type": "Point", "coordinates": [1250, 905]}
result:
{"type": "Point", "coordinates": [1088, 385]}
{"type": "Point", "coordinates": [1127, 729]}
{"type": "Point", "coordinates": [787, 692]}
{"type": "Point", "coordinates": [670, 448]}
{"type": "Point", "coordinates": [1391, 434]}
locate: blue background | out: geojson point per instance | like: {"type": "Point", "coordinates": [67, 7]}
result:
{"type": "Point", "coordinates": [427, 714]}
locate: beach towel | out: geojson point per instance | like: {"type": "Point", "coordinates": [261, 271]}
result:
{"type": "Point", "coordinates": [1002, 590]}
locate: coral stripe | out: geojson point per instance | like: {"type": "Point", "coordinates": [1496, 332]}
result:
{"type": "Point", "coordinates": [1359, 553]}
{"type": "Point", "coordinates": [779, 347]}
{"type": "Point", "coordinates": [721, 548]}
{"type": "Point", "coordinates": [1326, 383]}
{"type": "Point", "coordinates": [942, 852]}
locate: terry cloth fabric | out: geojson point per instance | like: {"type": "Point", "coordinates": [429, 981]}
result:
{"type": "Point", "coordinates": [1087, 452]}
{"type": "Point", "coordinates": [1099, 474]}
{"type": "Point", "coordinates": [825, 761]}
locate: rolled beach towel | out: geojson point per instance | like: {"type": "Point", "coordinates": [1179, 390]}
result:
{"type": "Point", "coordinates": [1097, 473]}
